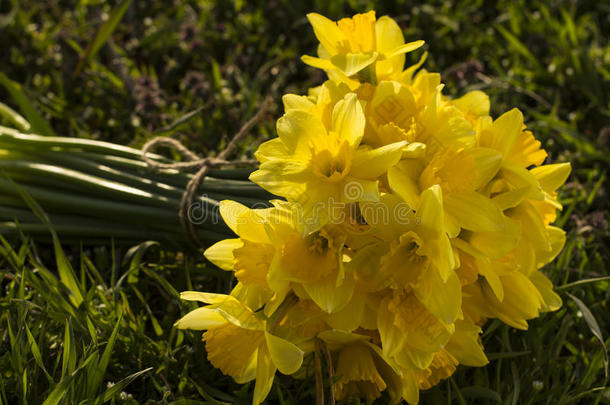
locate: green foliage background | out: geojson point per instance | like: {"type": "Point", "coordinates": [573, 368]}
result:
{"type": "Point", "coordinates": [165, 59]}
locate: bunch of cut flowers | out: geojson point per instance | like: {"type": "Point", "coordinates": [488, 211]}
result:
{"type": "Point", "coordinates": [407, 220]}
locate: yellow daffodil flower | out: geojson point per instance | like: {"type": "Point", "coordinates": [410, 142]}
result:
{"type": "Point", "coordinates": [360, 47]}
{"type": "Point", "coordinates": [359, 375]}
{"type": "Point", "coordinates": [410, 335]}
{"type": "Point", "coordinates": [363, 371]}
{"type": "Point", "coordinates": [418, 114]}
{"type": "Point", "coordinates": [322, 168]}
{"type": "Point", "coordinates": [274, 255]}
{"type": "Point", "coordinates": [419, 256]}
{"type": "Point", "coordinates": [238, 343]}
{"type": "Point", "coordinates": [249, 255]}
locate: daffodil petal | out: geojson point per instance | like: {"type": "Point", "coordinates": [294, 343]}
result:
{"type": "Point", "coordinates": [487, 162]}
{"type": "Point", "coordinates": [392, 102]}
{"type": "Point", "coordinates": [507, 126]}
{"type": "Point", "coordinates": [474, 212]}
{"type": "Point", "coordinates": [348, 120]}
{"type": "Point", "coordinates": [284, 178]}
{"type": "Point", "coordinates": [522, 301]}
{"type": "Point", "coordinates": [475, 103]}
{"type": "Point", "coordinates": [442, 298]}
{"type": "Point", "coordinates": [430, 212]}
{"type": "Point", "coordinates": [452, 226]}
{"type": "Point", "coordinates": [557, 239]}
{"type": "Point", "coordinates": [356, 190]}
{"type": "Point", "coordinates": [431, 226]}
{"type": "Point", "coordinates": [510, 199]}
{"type": "Point", "coordinates": [388, 37]}
{"type": "Point", "coordinates": [208, 298]}
{"type": "Point", "coordinates": [550, 300]}
{"type": "Point", "coordinates": [327, 32]}
{"type": "Point", "coordinates": [286, 356]}
{"type": "Point", "coordinates": [408, 47]}
{"type": "Point", "coordinates": [488, 270]}
{"type": "Point", "coordinates": [465, 345]}
{"type": "Point", "coordinates": [404, 185]}
{"type": "Point", "coordinates": [407, 75]}
{"type": "Point", "coordinates": [410, 391]}
{"type": "Point", "coordinates": [251, 225]}
{"type": "Point", "coordinates": [519, 177]}
{"type": "Point", "coordinates": [529, 219]}
{"type": "Point", "coordinates": [497, 244]}
{"type": "Point", "coordinates": [200, 319]}
{"type": "Point", "coordinates": [328, 296]}
{"type": "Point", "coordinates": [254, 296]}
{"type": "Point", "coordinates": [272, 149]}
{"type": "Point", "coordinates": [319, 63]}
{"type": "Point", "coordinates": [411, 358]}
{"type": "Point", "coordinates": [296, 129]}
{"type": "Point", "coordinates": [551, 177]}
{"type": "Point", "coordinates": [240, 315]}
{"type": "Point", "coordinates": [350, 317]}
{"type": "Point", "coordinates": [369, 164]}
{"type": "Point", "coordinates": [221, 253]}
{"type": "Point", "coordinates": [392, 338]}
{"type": "Point", "coordinates": [352, 63]}
{"type": "Point", "coordinates": [230, 212]}
{"type": "Point", "coordinates": [296, 102]}
{"type": "Point", "coordinates": [265, 373]}
{"type": "Point", "coordinates": [276, 300]}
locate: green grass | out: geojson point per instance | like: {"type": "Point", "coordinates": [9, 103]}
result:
{"type": "Point", "coordinates": [196, 70]}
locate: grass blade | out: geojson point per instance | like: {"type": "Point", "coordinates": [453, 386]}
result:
{"type": "Point", "coordinates": [38, 123]}
{"type": "Point", "coordinates": [62, 388]}
{"type": "Point", "coordinates": [518, 45]}
{"type": "Point", "coordinates": [103, 34]}
{"type": "Point", "coordinates": [118, 387]}
{"type": "Point", "coordinates": [593, 326]}
{"type": "Point", "coordinates": [14, 117]}
{"type": "Point", "coordinates": [100, 368]}
{"type": "Point", "coordinates": [134, 258]}
{"type": "Point", "coordinates": [36, 351]}
{"type": "Point", "coordinates": [582, 282]}
{"type": "Point", "coordinates": [69, 351]}
{"type": "Point", "coordinates": [179, 121]}
{"type": "Point", "coordinates": [66, 273]}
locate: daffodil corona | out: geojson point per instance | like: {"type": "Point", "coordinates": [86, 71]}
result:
{"type": "Point", "coordinates": [409, 219]}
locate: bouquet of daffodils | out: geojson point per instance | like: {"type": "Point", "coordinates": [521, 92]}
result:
{"type": "Point", "coordinates": [409, 220]}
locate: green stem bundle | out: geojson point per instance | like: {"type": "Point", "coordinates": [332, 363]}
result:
{"type": "Point", "coordinates": [95, 190]}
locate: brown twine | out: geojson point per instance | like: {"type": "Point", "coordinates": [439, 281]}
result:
{"type": "Point", "coordinates": [202, 165]}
